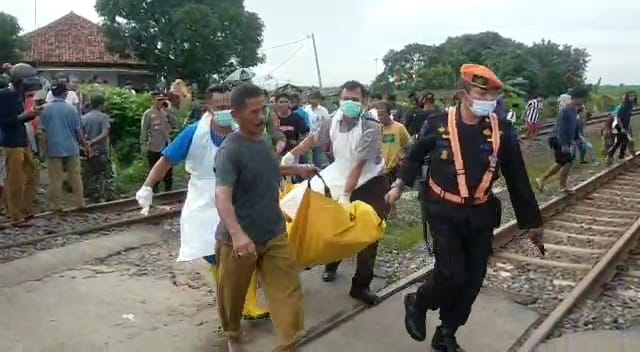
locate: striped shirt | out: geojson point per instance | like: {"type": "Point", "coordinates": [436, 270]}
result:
{"type": "Point", "coordinates": [532, 111]}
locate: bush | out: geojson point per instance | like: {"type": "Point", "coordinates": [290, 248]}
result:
{"type": "Point", "coordinates": [125, 110]}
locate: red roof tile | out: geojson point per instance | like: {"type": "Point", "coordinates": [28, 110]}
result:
{"type": "Point", "coordinates": [72, 39]}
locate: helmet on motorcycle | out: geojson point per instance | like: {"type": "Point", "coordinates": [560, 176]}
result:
{"type": "Point", "coordinates": [24, 76]}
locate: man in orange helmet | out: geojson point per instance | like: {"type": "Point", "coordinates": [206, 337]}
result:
{"type": "Point", "coordinates": [468, 145]}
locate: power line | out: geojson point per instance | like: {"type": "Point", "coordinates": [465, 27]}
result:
{"type": "Point", "coordinates": [288, 59]}
{"type": "Point", "coordinates": [286, 44]}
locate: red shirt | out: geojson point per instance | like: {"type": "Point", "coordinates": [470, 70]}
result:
{"type": "Point", "coordinates": [29, 104]}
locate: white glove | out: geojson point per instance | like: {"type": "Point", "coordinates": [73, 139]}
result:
{"type": "Point", "coordinates": [288, 159]}
{"type": "Point", "coordinates": [345, 199]}
{"type": "Point", "coordinates": [145, 197]}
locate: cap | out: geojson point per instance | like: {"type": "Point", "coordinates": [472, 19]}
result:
{"type": "Point", "coordinates": [480, 76]}
{"type": "Point", "coordinates": [159, 96]}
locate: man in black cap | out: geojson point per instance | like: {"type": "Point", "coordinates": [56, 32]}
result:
{"type": "Point", "coordinates": [467, 146]}
{"type": "Point", "coordinates": [20, 183]}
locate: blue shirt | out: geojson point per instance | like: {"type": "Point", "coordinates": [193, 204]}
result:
{"type": "Point", "coordinates": [13, 133]}
{"type": "Point", "coordinates": [178, 150]}
{"type": "Point", "coordinates": [305, 116]}
{"type": "Point", "coordinates": [61, 123]}
{"type": "Point", "coordinates": [567, 126]}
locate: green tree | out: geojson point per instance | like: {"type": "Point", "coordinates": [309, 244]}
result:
{"type": "Point", "coordinates": [545, 67]}
{"type": "Point", "coordinates": [436, 77]}
{"type": "Point", "coordinates": [401, 67]}
{"type": "Point", "coordinates": [197, 40]}
{"type": "Point", "coordinates": [11, 44]}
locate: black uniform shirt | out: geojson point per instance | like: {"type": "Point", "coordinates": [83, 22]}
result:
{"type": "Point", "coordinates": [475, 148]}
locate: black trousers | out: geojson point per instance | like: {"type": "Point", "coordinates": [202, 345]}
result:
{"type": "Point", "coordinates": [372, 193]}
{"type": "Point", "coordinates": [620, 142]}
{"type": "Point", "coordinates": [462, 250]}
{"type": "Point", "coordinates": [152, 158]}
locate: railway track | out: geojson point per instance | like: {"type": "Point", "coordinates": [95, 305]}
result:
{"type": "Point", "coordinates": [587, 234]}
{"type": "Point", "coordinates": [49, 230]}
{"type": "Point", "coordinates": [547, 128]}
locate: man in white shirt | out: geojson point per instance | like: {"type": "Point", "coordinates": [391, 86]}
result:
{"type": "Point", "coordinates": [318, 114]}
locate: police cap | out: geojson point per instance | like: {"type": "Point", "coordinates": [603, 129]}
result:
{"type": "Point", "coordinates": [159, 96]}
{"type": "Point", "coordinates": [480, 76]}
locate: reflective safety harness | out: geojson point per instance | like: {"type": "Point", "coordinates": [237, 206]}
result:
{"type": "Point", "coordinates": [481, 195]}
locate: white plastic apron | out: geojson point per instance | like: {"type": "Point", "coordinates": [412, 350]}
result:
{"type": "Point", "coordinates": [344, 152]}
{"type": "Point", "coordinates": [199, 217]}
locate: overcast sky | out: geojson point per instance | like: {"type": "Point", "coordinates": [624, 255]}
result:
{"type": "Point", "coordinates": [351, 34]}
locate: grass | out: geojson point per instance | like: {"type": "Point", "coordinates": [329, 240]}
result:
{"type": "Point", "coordinates": [402, 237]}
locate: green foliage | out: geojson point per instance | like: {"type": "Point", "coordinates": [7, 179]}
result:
{"type": "Point", "coordinates": [11, 44]}
{"type": "Point", "coordinates": [436, 77]}
{"type": "Point", "coordinates": [125, 110]}
{"type": "Point", "coordinates": [198, 40]}
{"type": "Point", "coordinates": [543, 67]}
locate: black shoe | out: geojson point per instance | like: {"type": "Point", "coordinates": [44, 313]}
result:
{"type": "Point", "coordinates": [445, 341]}
{"type": "Point", "coordinates": [430, 249]}
{"type": "Point", "coordinates": [415, 320]}
{"type": "Point", "coordinates": [329, 276]}
{"type": "Point", "coordinates": [364, 295]}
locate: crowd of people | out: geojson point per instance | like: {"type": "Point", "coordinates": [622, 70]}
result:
{"type": "Point", "coordinates": [237, 162]}
{"type": "Point", "coordinates": [245, 143]}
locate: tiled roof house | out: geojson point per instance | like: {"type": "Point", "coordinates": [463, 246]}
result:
{"type": "Point", "coordinates": [75, 46]}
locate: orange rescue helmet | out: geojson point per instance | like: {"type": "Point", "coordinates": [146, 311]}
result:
{"type": "Point", "coordinates": [480, 76]}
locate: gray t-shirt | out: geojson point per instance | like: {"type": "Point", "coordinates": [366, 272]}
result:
{"type": "Point", "coordinates": [251, 169]}
{"type": "Point", "coordinates": [94, 123]}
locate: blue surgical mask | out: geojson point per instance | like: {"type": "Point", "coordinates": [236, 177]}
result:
{"type": "Point", "coordinates": [483, 108]}
{"type": "Point", "coordinates": [223, 118]}
{"type": "Point", "coordinates": [351, 109]}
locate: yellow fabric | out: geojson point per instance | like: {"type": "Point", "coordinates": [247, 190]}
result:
{"type": "Point", "coordinates": [251, 308]}
{"type": "Point", "coordinates": [324, 231]}
{"type": "Point", "coordinates": [394, 138]}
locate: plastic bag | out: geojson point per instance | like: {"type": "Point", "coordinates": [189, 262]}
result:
{"type": "Point", "coordinates": [324, 231]}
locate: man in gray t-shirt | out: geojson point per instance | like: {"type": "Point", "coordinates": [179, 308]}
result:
{"type": "Point", "coordinates": [97, 171]}
{"type": "Point", "coordinates": [251, 234]}
{"type": "Point", "coordinates": [250, 167]}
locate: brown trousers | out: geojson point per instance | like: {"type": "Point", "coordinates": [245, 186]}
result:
{"type": "Point", "coordinates": [56, 168]}
{"type": "Point", "coordinates": [20, 184]}
{"type": "Point", "coordinates": [280, 282]}
{"type": "Point", "coordinates": [372, 193]}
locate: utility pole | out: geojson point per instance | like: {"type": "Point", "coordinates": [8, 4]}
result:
{"type": "Point", "coordinates": [315, 53]}
{"type": "Point", "coordinates": [376, 60]}
{"type": "Point", "coordinates": [34, 42]}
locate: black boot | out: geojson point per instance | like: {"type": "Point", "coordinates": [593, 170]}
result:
{"type": "Point", "coordinates": [329, 275]}
{"type": "Point", "coordinates": [364, 295]}
{"type": "Point", "coordinates": [444, 340]}
{"type": "Point", "coordinates": [415, 319]}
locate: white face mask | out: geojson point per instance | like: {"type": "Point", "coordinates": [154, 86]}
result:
{"type": "Point", "coordinates": [483, 108]}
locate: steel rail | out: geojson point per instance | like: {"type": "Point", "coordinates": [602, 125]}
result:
{"type": "Point", "coordinates": [502, 236]}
